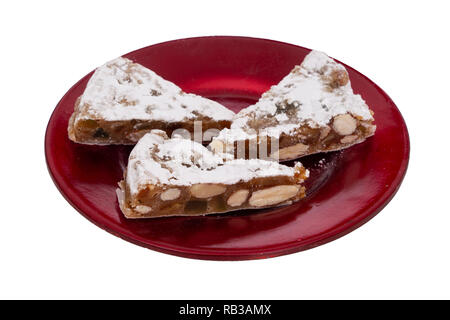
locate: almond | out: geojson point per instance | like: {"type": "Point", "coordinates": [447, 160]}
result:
{"type": "Point", "coordinates": [273, 195]}
{"type": "Point", "coordinates": [137, 135]}
{"type": "Point", "coordinates": [291, 152]}
{"type": "Point", "coordinates": [207, 190]}
{"type": "Point", "coordinates": [349, 139]}
{"type": "Point", "coordinates": [344, 124]}
{"type": "Point", "coordinates": [217, 146]}
{"type": "Point", "coordinates": [338, 78]}
{"type": "Point", "coordinates": [324, 132]}
{"type": "Point", "coordinates": [170, 194]}
{"type": "Point", "coordinates": [142, 209]}
{"type": "Point", "coordinates": [238, 198]}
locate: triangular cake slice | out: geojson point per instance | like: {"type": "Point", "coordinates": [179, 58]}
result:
{"type": "Point", "coordinates": [313, 109]}
{"type": "Point", "coordinates": [124, 100]}
{"type": "Point", "coordinates": [180, 177]}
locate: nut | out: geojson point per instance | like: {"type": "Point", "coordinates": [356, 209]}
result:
{"type": "Point", "coordinates": [370, 128]}
{"type": "Point", "coordinates": [160, 133]}
{"type": "Point", "coordinates": [170, 194]}
{"type": "Point", "coordinates": [137, 135]}
{"type": "Point", "coordinates": [217, 146]}
{"type": "Point", "coordinates": [338, 78]}
{"type": "Point", "coordinates": [349, 139]}
{"type": "Point", "coordinates": [273, 195]}
{"type": "Point", "coordinates": [207, 190]}
{"type": "Point", "coordinates": [142, 209]}
{"type": "Point", "coordinates": [291, 152]}
{"type": "Point", "coordinates": [344, 124]}
{"type": "Point", "coordinates": [238, 198]}
{"type": "Point", "coordinates": [324, 132]}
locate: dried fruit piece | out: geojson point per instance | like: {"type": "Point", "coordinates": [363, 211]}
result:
{"type": "Point", "coordinates": [216, 146]}
{"type": "Point", "coordinates": [338, 78]}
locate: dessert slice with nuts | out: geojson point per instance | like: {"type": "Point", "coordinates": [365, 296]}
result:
{"type": "Point", "coordinates": [313, 109]}
{"type": "Point", "coordinates": [175, 177]}
{"type": "Point", "coordinates": [124, 100]}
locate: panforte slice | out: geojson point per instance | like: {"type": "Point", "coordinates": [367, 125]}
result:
{"type": "Point", "coordinates": [124, 100]}
{"type": "Point", "coordinates": [313, 109]}
{"type": "Point", "coordinates": [180, 177]}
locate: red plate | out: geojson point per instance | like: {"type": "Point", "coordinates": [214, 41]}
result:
{"type": "Point", "coordinates": [346, 188]}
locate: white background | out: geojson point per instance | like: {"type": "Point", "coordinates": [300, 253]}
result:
{"type": "Point", "coordinates": [48, 250]}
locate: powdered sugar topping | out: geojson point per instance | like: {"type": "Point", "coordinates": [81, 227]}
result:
{"type": "Point", "coordinates": [304, 96]}
{"type": "Point", "coordinates": [123, 90]}
{"type": "Point", "coordinates": [177, 161]}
